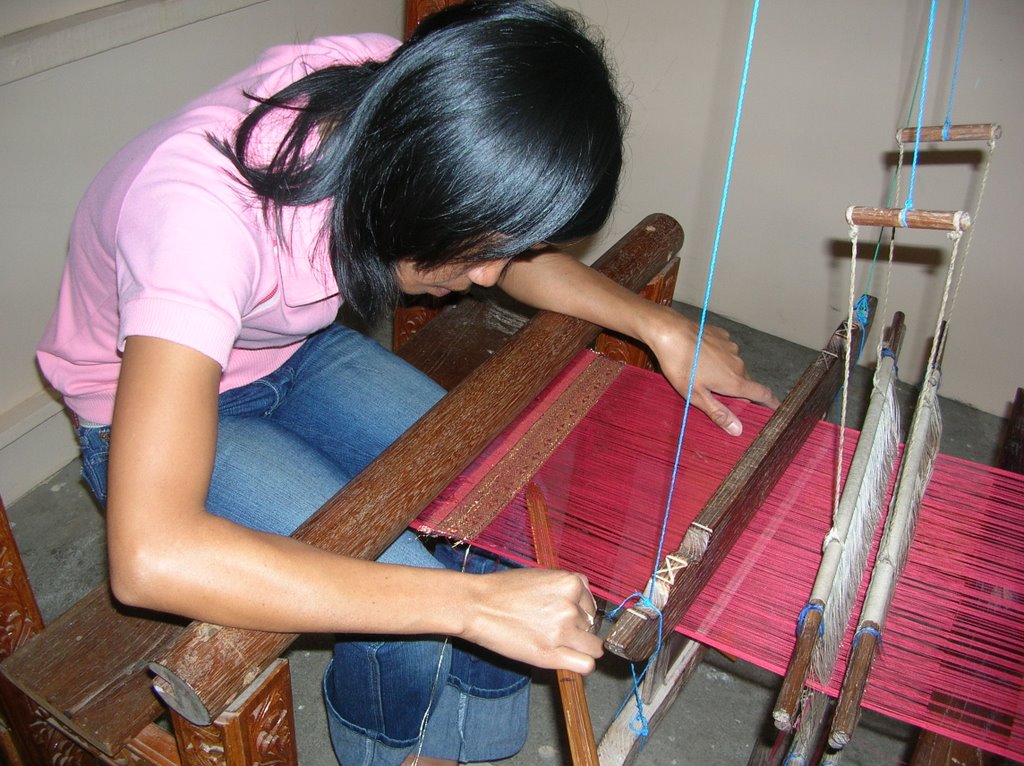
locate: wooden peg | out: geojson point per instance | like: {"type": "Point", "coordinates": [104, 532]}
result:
{"type": "Point", "coordinates": [956, 220]}
{"type": "Point", "coordinates": [975, 132]}
{"type": "Point", "coordinates": [785, 711]}
{"type": "Point", "coordinates": [847, 713]}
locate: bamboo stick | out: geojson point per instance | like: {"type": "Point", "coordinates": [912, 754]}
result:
{"type": "Point", "coordinates": [974, 132]}
{"type": "Point", "coordinates": [955, 220]}
{"type": "Point", "coordinates": [579, 728]}
{"type": "Point", "coordinates": [796, 675]}
{"type": "Point", "coordinates": [847, 714]}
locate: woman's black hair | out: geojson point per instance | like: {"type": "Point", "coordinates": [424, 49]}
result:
{"type": "Point", "coordinates": [496, 126]}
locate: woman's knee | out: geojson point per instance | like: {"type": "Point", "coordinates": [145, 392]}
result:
{"type": "Point", "coordinates": [383, 689]}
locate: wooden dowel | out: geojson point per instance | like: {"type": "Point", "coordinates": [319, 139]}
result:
{"type": "Point", "coordinates": [579, 728]}
{"type": "Point", "coordinates": [209, 665]}
{"type": "Point", "coordinates": [894, 336]}
{"type": "Point", "coordinates": [1012, 457]}
{"type": "Point", "coordinates": [793, 682]}
{"type": "Point", "coordinates": [986, 131]}
{"type": "Point", "coordinates": [955, 220]}
{"type": "Point", "coordinates": [847, 714]}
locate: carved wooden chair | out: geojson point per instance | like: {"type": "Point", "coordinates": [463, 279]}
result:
{"type": "Point", "coordinates": [257, 728]}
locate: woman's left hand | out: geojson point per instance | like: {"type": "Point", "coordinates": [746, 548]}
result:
{"type": "Point", "coordinates": [720, 370]}
{"type": "Point", "coordinates": [553, 280]}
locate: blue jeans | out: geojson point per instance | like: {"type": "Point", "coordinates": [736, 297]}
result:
{"type": "Point", "coordinates": [285, 444]}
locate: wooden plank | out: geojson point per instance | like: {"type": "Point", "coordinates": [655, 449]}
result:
{"type": "Point", "coordinates": [210, 665]}
{"type": "Point", "coordinates": [471, 333]}
{"type": "Point", "coordinates": [621, 743]}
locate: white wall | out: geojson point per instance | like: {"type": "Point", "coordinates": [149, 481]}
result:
{"type": "Point", "coordinates": [58, 128]}
{"type": "Point", "coordinates": [830, 82]}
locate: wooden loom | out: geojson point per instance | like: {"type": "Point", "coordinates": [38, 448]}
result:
{"type": "Point", "coordinates": [204, 669]}
{"type": "Point", "coordinates": [90, 715]}
{"type": "Point", "coordinates": [218, 663]}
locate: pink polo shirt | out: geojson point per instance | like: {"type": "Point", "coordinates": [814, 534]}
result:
{"type": "Point", "coordinates": [167, 243]}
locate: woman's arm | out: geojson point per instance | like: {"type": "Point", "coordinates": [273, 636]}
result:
{"type": "Point", "coordinates": [556, 281]}
{"type": "Point", "coordinates": [168, 553]}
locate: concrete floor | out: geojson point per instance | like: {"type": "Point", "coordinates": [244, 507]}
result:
{"type": "Point", "coordinates": [717, 718]}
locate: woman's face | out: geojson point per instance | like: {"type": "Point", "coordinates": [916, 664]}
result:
{"type": "Point", "coordinates": [448, 278]}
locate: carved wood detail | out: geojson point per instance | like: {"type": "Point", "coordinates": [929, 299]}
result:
{"type": "Point", "coordinates": [198, 745]}
{"type": "Point", "coordinates": [21, 618]}
{"type": "Point", "coordinates": [258, 729]}
{"type": "Point", "coordinates": [408, 319]}
{"type": "Point", "coordinates": [265, 721]}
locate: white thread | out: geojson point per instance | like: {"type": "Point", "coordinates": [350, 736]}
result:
{"type": "Point", "coordinates": [672, 565]}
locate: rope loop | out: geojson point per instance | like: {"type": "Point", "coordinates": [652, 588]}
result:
{"type": "Point", "coordinates": [867, 630]}
{"type": "Point", "coordinates": [803, 617]}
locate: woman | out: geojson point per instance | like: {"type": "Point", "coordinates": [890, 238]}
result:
{"type": "Point", "coordinates": [218, 405]}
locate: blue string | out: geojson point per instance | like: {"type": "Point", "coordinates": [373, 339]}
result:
{"type": "Point", "coordinates": [710, 279]}
{"type": "Point", "coordinates": [803, 616]}
{"type": "Point", "coordinates": [640, 719]}
{"type": "Point", "coordinates": [956, 73]}
{"type": "Point", "coordinates": [639, 725]}
{"type": "Point", "coordinates": [867, 629]}
{"type": "Point", "coordinates": [920, 114]}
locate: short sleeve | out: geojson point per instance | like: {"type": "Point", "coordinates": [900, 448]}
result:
{"type": "Point", "coordinates": [186, 261]}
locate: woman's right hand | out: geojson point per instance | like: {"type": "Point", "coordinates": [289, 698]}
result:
{"type": "Point", "coordinates": [538, 616]}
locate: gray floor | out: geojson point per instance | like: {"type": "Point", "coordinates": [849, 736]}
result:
{"type": "Point", "coordinates": [717, 718]}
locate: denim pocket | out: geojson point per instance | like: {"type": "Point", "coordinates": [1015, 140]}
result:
{"type": "Point", "coordinates": [94, 442]}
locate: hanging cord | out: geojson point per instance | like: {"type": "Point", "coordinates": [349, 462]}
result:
{"type": "Point", "coordinates": [710, 280]}
{"type": "Point", "coordinates": [852, 309]}
{"type": "Point", "coordinates": [974, 225]}
{"type": "Point", "coordinates": [436, 686]}
{"type": "Point", "coordinates": [949, 303]}
{"type": "Point", "coordinates": [895, 184]}
{"type": "Point", "coordinates": [939, 340]}
{"type": "Point", "coordinates": [641, 727]}
{"type": "Point", "coordinates": [920, 113]}
{"type": "Point", "coordinates": [956, 73]}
